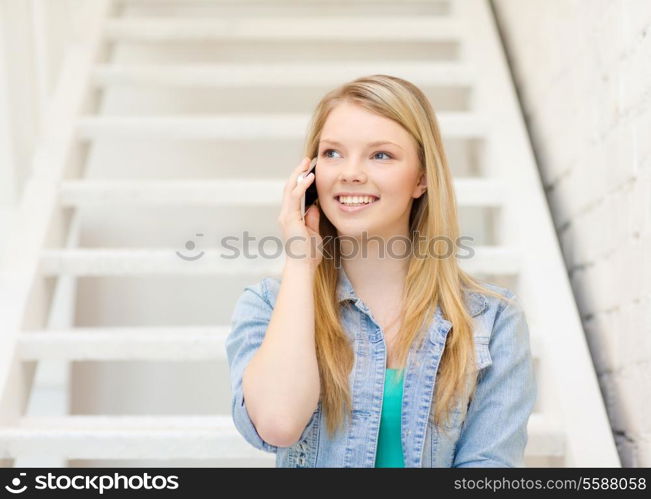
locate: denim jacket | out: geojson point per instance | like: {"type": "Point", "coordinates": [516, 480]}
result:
{"type": "Point", "coordinates": [490, 431]}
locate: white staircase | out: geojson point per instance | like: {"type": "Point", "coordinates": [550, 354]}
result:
{"type": "Point", "coordinates": [177, 78]}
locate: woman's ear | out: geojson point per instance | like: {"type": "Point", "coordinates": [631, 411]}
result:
{"type": "Point", "coordinates": [421, 187]}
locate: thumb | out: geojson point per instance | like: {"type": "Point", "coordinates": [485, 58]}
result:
{"type": "Point", "coordinates": [312, 218]}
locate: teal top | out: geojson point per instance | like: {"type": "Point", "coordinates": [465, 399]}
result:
{"type": "Point", "coordinates": [389, 445]}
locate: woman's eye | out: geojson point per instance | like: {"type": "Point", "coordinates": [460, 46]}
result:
{"type": "Point", "coordinates": [326, 151]}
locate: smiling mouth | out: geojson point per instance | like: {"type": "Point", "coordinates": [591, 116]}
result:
{"type": "Point", "coordinates": [373, 200]}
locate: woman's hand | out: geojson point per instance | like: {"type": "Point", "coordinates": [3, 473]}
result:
{"type": "Point", "coordinates": [302, 240]}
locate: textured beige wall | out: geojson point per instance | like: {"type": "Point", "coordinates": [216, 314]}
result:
{"type": "Point", "coordinates": [583, 70]}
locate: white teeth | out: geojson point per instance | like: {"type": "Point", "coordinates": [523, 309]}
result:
{"type": "Point", "coordinates": [356, 199]}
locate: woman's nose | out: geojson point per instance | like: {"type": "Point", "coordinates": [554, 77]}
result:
{"type": "Point", "coordinates": [353, 171]}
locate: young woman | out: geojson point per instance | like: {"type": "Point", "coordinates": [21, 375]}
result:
{"type": "Point", "coordinates": [375, 349]}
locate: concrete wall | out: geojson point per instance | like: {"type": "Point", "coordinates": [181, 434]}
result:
{"type": "Point", "coordinates": [583, 71]}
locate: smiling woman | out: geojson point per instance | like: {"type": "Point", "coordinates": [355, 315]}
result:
{"type": "Point", "coordinates": [388, 170]}
{"type": "Point", "coordinates": [359, 359]}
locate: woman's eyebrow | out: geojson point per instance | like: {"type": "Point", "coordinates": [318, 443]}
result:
{"type": "Point", "coordinates": [370, 144]}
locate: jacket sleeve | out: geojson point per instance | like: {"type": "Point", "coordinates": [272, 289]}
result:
{"type": "Point", "coordinates": [494, 433]}
{"type": "Point", "coordinates": [250, 319]}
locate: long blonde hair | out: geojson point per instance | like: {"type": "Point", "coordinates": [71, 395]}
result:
{"type": "Point", "coordinates": [431, 215]}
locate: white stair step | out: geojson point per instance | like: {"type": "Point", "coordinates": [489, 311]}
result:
{"type": "Point", "coordinates": [160, 437]}
{"type": "Point", "coordinates": [127, 437]}
{"type": "Point", "coordinates": [294, 28]}
{"type": "Point", "coordinates": [135, 343]}
{"type": "Point", "coordinates": [231, 192]}
{"type": "Point", "coordinates": [492, 260]}
{"type": "Point", "coordinates": [97, 262]}
{"type": "Point", "coordinates": [126, 343]}
{"type": "Point", "coordinates": [282, 8]}
{"type": "Point", "coordinates": [244, 126]}
{"type": "Point", "coordinates": [280, 74]}
{"type": "Point", "coordinates": [257, 3]}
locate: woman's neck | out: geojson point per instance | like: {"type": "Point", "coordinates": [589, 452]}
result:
{"type": "Point", "coordinates": [372, 274]}
{"type": "Point", "coordinates": [377, 264]}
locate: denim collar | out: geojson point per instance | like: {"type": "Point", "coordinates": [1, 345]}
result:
{"type": "Point", "coordinates": [476, 301]}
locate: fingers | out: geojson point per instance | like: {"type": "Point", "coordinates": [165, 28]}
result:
{"type": "Point", "coordinates": [312, 218]}
{"type": "Point", "coordinates": [291, 182]}
{"type": "Point", "coordinates": [302, 167]}
{"type": "Point", "coordinates": [299, 184]}
{"type": "Point", "coordinates": [295, 188]}
{"type": "Point", "coordinates": [294, 201]}
{"type": "Point", "coordinates": [303, 182]}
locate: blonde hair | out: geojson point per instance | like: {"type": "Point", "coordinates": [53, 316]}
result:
{"type": "Point", "coordinates": [431, 215]}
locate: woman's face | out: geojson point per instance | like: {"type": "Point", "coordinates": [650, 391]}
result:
{"type": "Point", "coordinates": [348, 162]}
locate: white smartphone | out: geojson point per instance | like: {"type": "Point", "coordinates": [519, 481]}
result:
{"type": "Point", "coordinates": [311, 195]}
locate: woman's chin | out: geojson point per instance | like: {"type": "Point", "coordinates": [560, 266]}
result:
{"type": "Point", "coordinates": [355, 229]}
